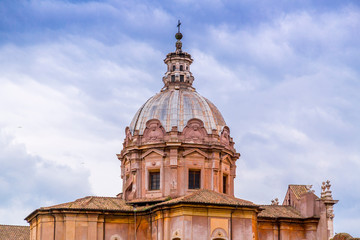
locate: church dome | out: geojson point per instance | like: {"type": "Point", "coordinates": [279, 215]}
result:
{"type": "Point", "coordinates": [178, 102]}
{"type": "Point", "coordinates": [178, 141]}
{"type": "Point", "coordinates": [174, 108]}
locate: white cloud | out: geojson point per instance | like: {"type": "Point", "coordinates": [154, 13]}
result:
{"type": "Point", "coordinates": [105, 20]}
{"type": "Point", "coordinates": [288, 89]}
{"type": "Point", "coordinates": [68, 102]}
{"type": "Point", "coordinates": [29, 181]}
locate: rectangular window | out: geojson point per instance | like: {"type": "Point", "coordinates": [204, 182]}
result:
{"type": "Point", "coordinates": [154, 180]}
{"type": "Point", "coordinates": [172, 78]}
{"type": "Point", "coordinates": [194, 179]}
{"type": "Point", "coordinates": [181, 78]}
{"type": "Point", "coordinates": [224, 184]}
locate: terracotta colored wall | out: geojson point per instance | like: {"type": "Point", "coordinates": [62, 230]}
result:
{"type": "Point", "coordinates": [185, 222]}
{"type": "Point", "coordinates": [242, 229]}
{"type": "Point", "coordinates": [200, 228]}
{"type": "Point", "coordinates": [174, 166]}
{"type": "Point", "coordinates": [269, 230]}
{"type": "Point", "coordinates": [174, 153]}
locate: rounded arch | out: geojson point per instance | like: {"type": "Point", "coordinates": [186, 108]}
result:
{"type": "Point", "coordinates": [176, 235]}
{"type": "Point", "coordinates": [219, 234]}
{"type": "Point", "coordinates": [115, 237]}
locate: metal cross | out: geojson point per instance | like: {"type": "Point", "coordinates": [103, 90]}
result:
{"type": "Point", "coordinates": [179, 23]}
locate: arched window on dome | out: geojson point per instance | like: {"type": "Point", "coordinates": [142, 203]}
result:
{"type": "Point", "coordinates": [181, 68]}
{"type": "Point", "coordinates": [174, 67]}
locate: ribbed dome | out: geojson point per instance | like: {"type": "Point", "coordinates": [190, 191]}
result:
{"type": "Point", "coordinates": [175, 107]}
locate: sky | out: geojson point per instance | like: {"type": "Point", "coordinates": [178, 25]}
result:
{"type": "Point", "coordinates": [284, 74]}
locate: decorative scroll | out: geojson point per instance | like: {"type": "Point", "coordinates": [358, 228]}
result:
{"type": "Point", "coordinates": [194, 131]}
{"type": "Point", "coordinates": [154, 132]}
{"type": "Point", "coordinates": [225, 136]}
{"type": "Point", "coordinates": [130, 186]}
{"type": "Point", "coordinates": [128, 136]}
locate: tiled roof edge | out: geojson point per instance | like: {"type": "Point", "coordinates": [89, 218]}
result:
{"type": "Point", "coordinates": [289, 218]}
{"type": "Point", "coordinates": [9, 225]}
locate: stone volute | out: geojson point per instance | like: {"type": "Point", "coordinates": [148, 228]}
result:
{"type": "Point", "coordinates": [178, 141]}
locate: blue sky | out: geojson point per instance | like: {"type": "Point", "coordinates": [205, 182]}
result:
{"type": "Point", "coordinates": [284, 74]}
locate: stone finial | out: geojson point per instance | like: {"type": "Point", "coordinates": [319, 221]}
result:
{"type": "Point", "coordinates": [325, 190]}
{"type": "Point", "coordinates": [275, 201]}
{"type": "Point", "coordinates": [178, 46]}
{"type": "Point", "coordinates": [309, 188]}
{"type": "Point", "coordinates": [178, 37]}
{"type": "Point", "coordinates": [323, 187]}
{"type": "Point", "coordinates": [328, 185]}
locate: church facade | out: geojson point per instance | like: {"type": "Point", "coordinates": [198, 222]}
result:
{"type": "Point", "coordinates": [178, 166]}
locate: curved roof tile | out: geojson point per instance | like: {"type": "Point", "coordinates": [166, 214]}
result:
{"type": "Point", "coordinates": [175, 107]}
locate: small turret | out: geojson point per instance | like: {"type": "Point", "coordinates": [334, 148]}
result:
{"type": "Point", "coordinates": [178, 73]}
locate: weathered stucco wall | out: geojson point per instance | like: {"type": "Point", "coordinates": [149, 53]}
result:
{"type": "Point", "coordinates": [183, 222]}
